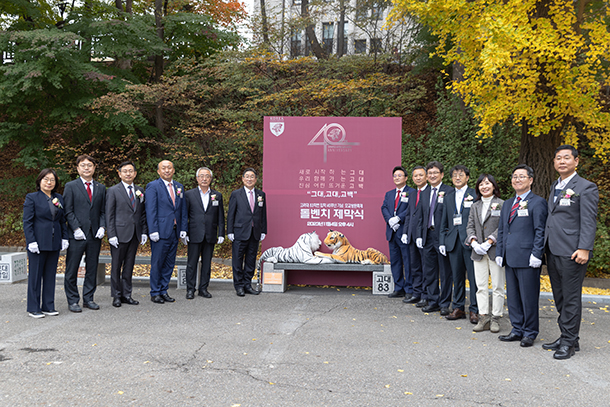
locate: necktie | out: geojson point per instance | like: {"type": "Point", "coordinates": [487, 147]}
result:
{"type": "Point", "coordinates": [513, 210]}
{"type": "Point", "coordinates": [171, 192]}
{"type": "Point", "coordinates": [131, 197]}
{"type": "Point", "coordinates": [396, 200]}
{"type": "Point", "coordinates": [251, 199]}
{"type": "Point", "coordinates": [89, 191]}
{"type": "Point", "coordinates": [417, 200]}
{"type": "Point", "coordinates": [432, 206]}
{"type": "Point", "coordinates": [556, 194]}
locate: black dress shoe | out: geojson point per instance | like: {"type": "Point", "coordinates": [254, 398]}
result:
{"type": "Point", "coordinates": [564, 352]}
{"type": "Point", "coordinates": [511, 337]}
{"type": "Point", "coordinates": [116, 302]}
{"type": "Point", "coordinates": [421, 303]}
{"type": "Point", "coordinates": [397, 294]}
{"type": "Point", "coordinates": [91, 305]}
{"type": "Point", "coordinates": [74, 308]}
{"type": "Point", "coordinates": [157, 299]}
{"type": "Point", "coordinates": [205, 294]}
{"type": "Point", "coordinates": [557, 344]}
{"type": "Point", "coordinates": [526, 342]}
{"type": "Point", "coordinates": [129, 300]}
{"type": "Point", "coordinates": [190, 294]}
{"type": "Point", "coordinates": [167, 298]}
{"type": "Point", "coordinates": [240, 292]}
{"type": "Point", "coordinates": [431, 308]}
{"type": "Point", "coordinates": [250, 290]}
{"type": "Point", "coordinates": [407, 296]}
{"type": "Point", "coordinates": [445, 311]}
{"type": "Point", "coordinates": [412, 300]}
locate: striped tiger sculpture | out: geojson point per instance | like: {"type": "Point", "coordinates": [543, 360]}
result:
{"type": "Point", "coordinates": [300, 252]}
{"type": "Point", "coordinates": [344, 252]}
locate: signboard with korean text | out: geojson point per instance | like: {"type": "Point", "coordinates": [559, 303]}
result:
{"type": "Point", "coordinates": [322, 173]}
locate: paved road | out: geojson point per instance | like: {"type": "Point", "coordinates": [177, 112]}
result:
{"type": "Point", "coordinates": [306, 347]}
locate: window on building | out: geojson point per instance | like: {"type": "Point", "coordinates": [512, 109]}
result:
{"type": "Point", "coordinates": [375, 45]}
{"type": "Point", "coordinates": [360, 46]}
{"type": "Point", "coordinates": [296, 2]}
{"type": "Point", "coordinates": [328, 32]}
{"type": "Point", "coordinates": [296, 48]}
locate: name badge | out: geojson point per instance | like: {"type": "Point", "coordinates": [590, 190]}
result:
{"type": "Point", "coordinates": [457, 220]}
{"type": "Point", "coordinates": [214, 203]}
{"type": "Point", "coordinates": [440, 199]}
{"type": "Point", "coordinates": [467, 204]}
{"type": "Point", "coordinates": [565, 202]}
{"type": "Point", "coordinates": [260, 204]}
{"type": "Point", "coordinates": [495, 213]}
{"type": "Point", "coordinates": [404, 199]}
{"type": "Point", "coordinates": [523, 212]}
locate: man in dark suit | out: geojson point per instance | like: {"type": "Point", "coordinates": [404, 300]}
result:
{"type": "Point", "coordinates": [167, 222]}
{"type": "Point", "coordinates": [520, 247]}
{"type": "Point", "coordinates": [395, 210]}
{"type": "Point", "coordinates": [415, 254]}
{"type": "Point", "coordinates": [436, 266]}
{"type": "Point", "coordinates": [85, 201]}
{"type": "Point", "coordinates": [206, 228]}
{"type": "Point", "coordinates": [569, 238]}
{"type": "Point", "coordinates": [452, 243]}
{"type": "Point", "coordinates": [126, 219]}
{"type": "Point", "coordinates": [246, 227]}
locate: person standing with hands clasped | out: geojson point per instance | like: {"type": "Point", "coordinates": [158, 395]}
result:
{"type": "Point", "coordinates": [45, 231]}
{"type": "Point", "coordinates": [569, 237]}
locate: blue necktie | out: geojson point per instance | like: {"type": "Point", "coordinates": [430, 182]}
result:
{"type": "Point", "coordinates": [432, 206]}
{"type": "Point", "coordinates": [131, 197]}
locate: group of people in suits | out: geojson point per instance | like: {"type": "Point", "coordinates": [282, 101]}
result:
{"type": "Point", "coordinates": [439, 236]}
{"type": "Point", "coordinates": [130, 215]}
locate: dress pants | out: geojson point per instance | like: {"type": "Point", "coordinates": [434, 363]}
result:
{"type": "Point", "coordinates": [523, 294]}
{"type": "Point", "coordinates": [482, 270]}
{"type": "Point", "coordinates": [162, 262]}
{"type": "Point", "coordinates": [124, 258]}
{"type": "Point", "coordinates": [91, 249]}
{"type": "Point", "coordinates": [417, 271]}
{"type": "Point", "coordinates": [566, 278]}
{"type": "Point", "coordinates": [400, 265]}
{"type": "Point", "coordinates": [42, 270]}
{"type": "Point", "coordinates": [244, 261]}
{"type": "Point", "coordinates": [204, 250]}
{"type": "Point", "coordinates": [436, 266]}
{"type": "Point", "coordinates": [461, 266]}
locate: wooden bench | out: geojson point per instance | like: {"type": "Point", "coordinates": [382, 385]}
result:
{"type": "Point", "coordinates": [276, 276]}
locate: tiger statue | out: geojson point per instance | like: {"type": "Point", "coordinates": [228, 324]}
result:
{"type": "Point", "coordinates": [300, 252]}
{"type": "Point", "coordinates": [344, 252]}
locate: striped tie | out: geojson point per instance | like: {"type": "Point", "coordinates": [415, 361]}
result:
{"type": "Point", "coordinates": [513, 210]}
{"type": "Point", "coordinates": [132, 198]}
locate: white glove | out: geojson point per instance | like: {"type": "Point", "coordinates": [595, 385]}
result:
{"type": "Point", "coordinates": [393, 221]}
{"type": "Point", "coordinates": [499, 261]}
{"type": "Point", "coordinates": [33, 247]}
{"type": "Point", "coordinates": [220, 239]}
{"type": "Point", "coordinates": [154, 236]}
{"type": "Point", "coordinates": [535, 262]}
{"type": "Point", "coordinates": [231, 236]}
{"type": "Point", "coordinates": [395, 227]}
{"type": "Point", "coordinates": [419, 243]}
{"type": "Point", "coordinates": [100, 233]}
{"type": "Point", "coordinates": [114, 241]}
{"type": "Point", "coordinates": [404, 238]}
{"type": "Point", "coordinates": [64, 244]}
{"type": "Point", "coordinates": [182, 234]}
{"type": "Point", "coordinates": [485, 246]}
{"type": "Point", "coordinates": [442, 250]}
{"type": "Point", "coordinates": [477, 248]}
{"type": "Point", "coordinates": [263, 236]}
{"type": "Point", "coordinates": [185, 240]}
{"type": "Point", "coordinates": [143, 240]}
{"type": "Point", "coordinates": [79, 235]}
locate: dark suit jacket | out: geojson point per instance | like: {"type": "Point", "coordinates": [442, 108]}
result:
{"type": "Point", "coordinates": [572, 227]}
{"type": "Point", "coordinates": [39, 225]}
{"type": "Point", "coordinates": [452, 235]}
{"type": "Point", "coordinates": [485, 229]}
{"type": "Point", "coordinates": [411, 225]}
{"type": "Point", "coordinates": [161, 212]}
{"type": "Point", "coordinates": [82, 213]}
{"type": "Point", "coordinates": [525, 235]}
{"type": "Point", "coordinates": [241, 221]}
{"type": "Point", "coordinates": [402, 211]}
{"type": "Point", "coordinates": [124, 221]}
{"type": "Point", "coordinates": [203, 224]}
{"type": "Point", "coordinates": [423, 210]}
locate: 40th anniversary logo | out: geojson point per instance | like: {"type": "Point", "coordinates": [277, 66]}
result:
{"type": "Point", "coordinates": [334, 136]}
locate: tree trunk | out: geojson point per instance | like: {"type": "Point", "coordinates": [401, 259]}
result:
{"type": "Point", "coordinates": [341, 28]}
{"type": "Point", "coordinates": [538, 153]}
{"type": "Point", "coordinates": [311, 34]}
{"type": "Point", "coordinates": [264, 23]}
{"type": "Point", "coordinates": [159, 64]}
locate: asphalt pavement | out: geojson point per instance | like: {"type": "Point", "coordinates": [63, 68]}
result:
{"type": "Point", "coordinates": [308, 346]}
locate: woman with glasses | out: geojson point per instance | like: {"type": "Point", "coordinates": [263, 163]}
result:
{"type": "Point", "coordinates": [482, 231]}
{"type": "Point", "coordinates": [45, 231]}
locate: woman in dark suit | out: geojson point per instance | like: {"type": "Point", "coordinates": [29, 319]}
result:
{"type": "Point", "coordinates": [482, 232]}
{"type": "Point", "coordinates": [44, 225]}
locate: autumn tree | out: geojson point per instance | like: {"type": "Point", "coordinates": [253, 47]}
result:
{"type": "Point", "coordinates": [541, 64]}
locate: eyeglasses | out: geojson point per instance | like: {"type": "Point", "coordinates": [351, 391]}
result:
{"type": "Point", "coordinates": [434, 172]}
{"type": "Point", "coordinates": [84, 165]}
{"type": "Point", "coordinates": [127, 171]}
{"type": "Point", "coordinates": [519, 177]}
{"type": "Point", "coordinates": [49, 180]}
{"type": "Point", "coordinates": [398, 176]}
{"type": "Point", "coordinates": [249, 177]}
{"type": "Point", "coordinates": [460, 175]}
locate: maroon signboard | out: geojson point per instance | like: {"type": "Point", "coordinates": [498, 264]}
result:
{"type": "Point", "coordinates": [322, 173]}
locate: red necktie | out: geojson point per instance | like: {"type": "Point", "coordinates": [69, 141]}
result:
{"type": "Point", "coordinates": [89, 191]}
{"type": "Point", "coordinates": [513, 210]}
{"type": "Point", "coordinates": [397, 198]}
{"type": "Point", "coordinates": [417, 200]}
